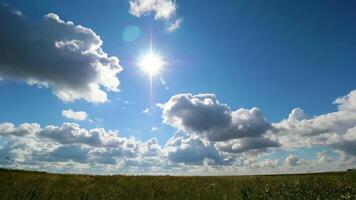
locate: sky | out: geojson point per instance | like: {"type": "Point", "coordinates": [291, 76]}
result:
{"type": "Point", "coordinates": [243, 87]}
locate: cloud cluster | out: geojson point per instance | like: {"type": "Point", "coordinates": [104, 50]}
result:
{"type": "Point", "coordinates": [336, 129]}
{"type": "Point", "coordinates": [9, 129]}
{"type": "Point", "coordinates": [31, 144]}
{"type": "Point", "coordinates": [162, 10]}
{"type": "Point", "coordinates": [75, 115]}
{"type": "Point", "coordinates": [210, 136]}
{"type": "Point", "coordinates": [54, 146]}
{"type": "Point", "coordinates": [269, 163]}
{"type": "Point", "coordinates": [55, 54]}
{"type": "Point", "coordinates": [69, 59]}
{"type": "Point", "coordinates": [202, 115]}
{"type": "Point", "coordinates": [245, 132]}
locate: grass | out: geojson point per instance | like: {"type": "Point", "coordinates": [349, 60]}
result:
{"type": "Point", "coordinates": [15, 184]}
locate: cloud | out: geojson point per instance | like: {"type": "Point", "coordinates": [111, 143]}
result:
{"type": "Point", "coordinates": [175, 25]}
{"type": "Point", "coordinates": [204, 115]}
{"type": "Point", "coordinates": [191, 150]}
{"type": "Point", "coordinates": [345, 142]}
{"type": "Point", "coordinates": [297, 114]}
{"type": "Point", "coordinates": [71, 133]}
{"type": "Point", "coordinates": [259, 144]}
{"type": "Point", "coordinates": [70, 148]}
{"type": "Point", "coordinates": [30, 144]}
{"type": "Point", "coordinates": [293, 160]}
{"type": "Point", "coordinates": [210, 136]}
{"type": "Point", "coordinates": [9, 129]}
{"type": "Point", "coordinates": [146, 111]}
{"type": "Point", "coordinates": [75, 115]}
{"type": "Point", "coordinates": [55, 54]}
{"type": "Point", "coordinates": [347, 102]}
{"type": "Point", "coordinates": [231, 133]}
{"type": "Point", "coordinates": [74, 152]}
{"type": "Point", "coordinates": [323, 157]}
{"type": "Point", "coordinates": [336, 129]}
{"type": "Point", "coordinates": [269, 163]}
{"type": "Point", "coordinates": [162, 10]}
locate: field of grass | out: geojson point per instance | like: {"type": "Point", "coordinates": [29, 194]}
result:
{"type": "Point", "coordinates": [37, 185]}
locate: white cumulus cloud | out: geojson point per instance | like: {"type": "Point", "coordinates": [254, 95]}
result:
{"type": "Point", "coordinates": [292, 160]}
{"type": "Point", "coordinates": [191, 150]}
{"type": "Point", "coordinates": [336, 129]}
{"type": "Point", "coordinates": [210, 136]}
{"type": "Point", "coordinates": [323, 157]}
{"type": "Point", "coordinates": [204, 115]}
{"type": "Point", "coordinates": [56, 54]}
{"type": "Point", "coordinates": [161, 9]}
{"type": "Point", "coordinates": [230, 132]}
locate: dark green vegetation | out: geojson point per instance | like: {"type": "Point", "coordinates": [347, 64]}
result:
{"type": "Point", "coordinates": [36, 185]}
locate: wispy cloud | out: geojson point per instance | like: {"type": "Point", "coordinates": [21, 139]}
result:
{"type": "Point", "coordinates": [75, 115]}
{"type": "Point", "coordinates": [146, 111]}
{"type": "Point", "coordinates": [175, 25]}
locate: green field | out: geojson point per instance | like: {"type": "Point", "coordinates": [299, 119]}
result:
{"type": "Point", "coordinates": [37, 185]}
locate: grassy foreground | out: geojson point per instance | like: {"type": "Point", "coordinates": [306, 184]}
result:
{"type": "Point", "coordinates": [37, 185]}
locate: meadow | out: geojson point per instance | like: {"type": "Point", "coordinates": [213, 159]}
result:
{"type": "Point", "coordinates": [16, 184]}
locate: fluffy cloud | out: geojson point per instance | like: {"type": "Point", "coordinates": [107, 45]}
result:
{"type": "Point", "coordinates": [296, 114]}
{"type": "Point", "coordinates": [162, 10]}
{"type": "Point", "coordinates": [269, 163]}
{"type": "Point", "coordinates": [293, 160]}
{"type": "Point", "coordinates": [75, 115]}
{"type": "Point", "coordinates": [30, 144]}
{"type": "Point", "coordinates": [323, 157]}
{"type": "Point", "coordinates": [210, 136]}
{"type": "Point", "coordinates": [336, 129]}
{"type": "Point", "coordinates": [345, 142]}
{"type": "Point", "coordinates": [191, 150]}
{"type": "Point", "coordinates": [71, 133]}
{"type": "Point", "coordinates": [150, 148]}
{"type": "Point", "coordinates": [9, 129]}
{"type": "Point", "coordinates": [245, 132]}
{"type": "Point", "coordinates": [204, 115]}
{"type": "Point", "coordinates": [55, 54]}
{"type": "Point", "coordinates": [230, 132]}
{"type": "Point", "coordinates": [347, 102]}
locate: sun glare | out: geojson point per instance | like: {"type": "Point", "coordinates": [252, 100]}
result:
{"type": "Point", "coordinates": [151, 63]}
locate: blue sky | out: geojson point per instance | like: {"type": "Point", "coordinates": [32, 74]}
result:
{"type": "Point", "coordinates": [274, 55]}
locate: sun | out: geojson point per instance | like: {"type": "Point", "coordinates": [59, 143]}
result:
{"type": "Point", "coordinates": [151, 63]}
